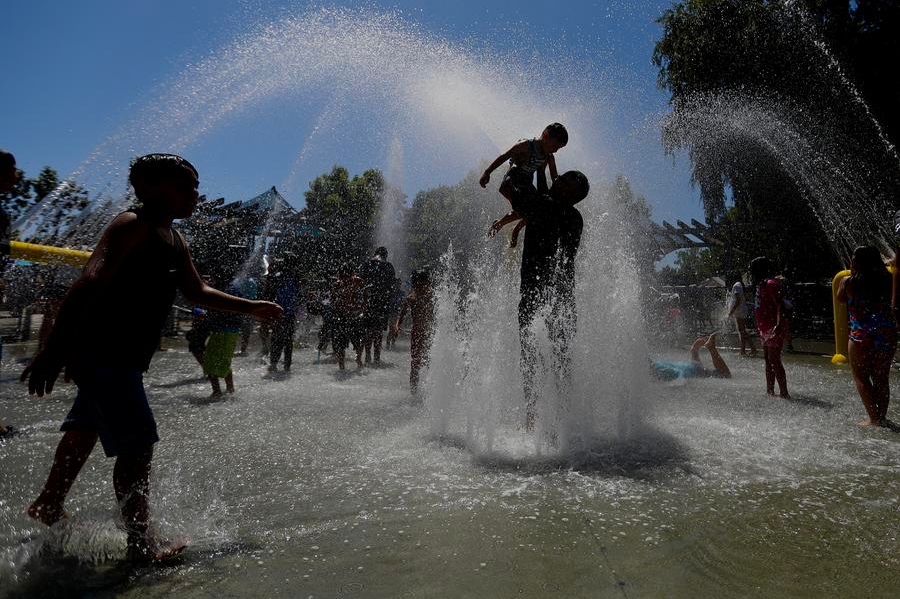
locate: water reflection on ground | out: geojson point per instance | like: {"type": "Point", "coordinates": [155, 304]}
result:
{"type": "Point", "coordinates": [315, 485]}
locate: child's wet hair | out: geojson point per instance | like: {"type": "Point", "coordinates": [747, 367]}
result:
{"type": "Point", "coordinates": [867, 258]}
{"type": "Point", "coordinates": [420, 277]}
{"type": "Point", "coordinates": [761, 268]}
{"type": "Point", "coordinates": [153, 168]}
{"type": "Point", "coordinates": [557, 132]}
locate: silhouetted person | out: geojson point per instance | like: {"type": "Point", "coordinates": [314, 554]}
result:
{"type": "Point", "coordinates": [547, 281]}
{"type": "Point", "coordinates": [379, 276]}
{"type": "Point", "coordinates": [420, 305]}
{"type": "Point", "coordinates": [105, 335]}
{"type": "Point", "coordinates": [9, 176]}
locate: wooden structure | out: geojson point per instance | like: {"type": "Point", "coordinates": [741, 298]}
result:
{"type": "Point", "coordinates": [668, 238]}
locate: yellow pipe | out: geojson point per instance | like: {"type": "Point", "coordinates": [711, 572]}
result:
{"type": "Point", "coordinates": [841, 325]}
{"type": "Point", "coordinates": [47, 254]}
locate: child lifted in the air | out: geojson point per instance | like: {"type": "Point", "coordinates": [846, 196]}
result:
{"type": "Point", "coordinates": [526, 158]}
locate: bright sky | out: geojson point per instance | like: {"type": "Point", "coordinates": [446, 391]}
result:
{"type": "Point", "coordinates": [78, 74]}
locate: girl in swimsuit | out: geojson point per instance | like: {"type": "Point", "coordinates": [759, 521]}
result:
{"type": "Point", "coordinates": [771, 321]}
{"type": "Point", "coordinates": [873, 330]}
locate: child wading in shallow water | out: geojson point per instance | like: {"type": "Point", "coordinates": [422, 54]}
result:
{"type": "Point", "coordinates": [347, 304]}
{"type": "Point", "coordinates": [771, 322]}
{"type": "Point", "coordinates": [420, 304]}
{"type": "Point", "coordinates": [526, 158]}
{"type": "Point", "coordinates": [225, 329]}
{"type": "Point", "coordinates": [873, 331]}
{"type": "Point", "coordinates": [105, 335]}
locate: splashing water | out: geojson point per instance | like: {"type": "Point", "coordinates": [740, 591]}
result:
{"type": "Point", "coordinates": [424, 104]}
{"type": "Point", "coordinates": [475, 388]}
{"type": "Point", "coordinates": [371, 77]}
{"type": "Point", "coordinates": [834, 176]}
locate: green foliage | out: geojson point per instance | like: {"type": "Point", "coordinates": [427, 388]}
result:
{"type": "Point", "coordinates": [346, 208]}
{"type": "Point", "coordinates": [692, 266]}
{"type": "Point", "coordinates": [447, 216]}
{"type": "Point", "coordinates": [64, 201]}
{"type": "Point", "coordinates": [810, 58]}
{"type": "Point", "coordinates": [17, 201]}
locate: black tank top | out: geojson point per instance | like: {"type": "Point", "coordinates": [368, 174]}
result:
{"type": "Point", "coordinates": [127, 320]}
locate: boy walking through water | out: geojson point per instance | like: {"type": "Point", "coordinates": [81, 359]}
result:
{"type": "Point", "coordinates": [106, 333]}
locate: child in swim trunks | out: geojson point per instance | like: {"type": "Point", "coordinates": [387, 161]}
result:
{"type": "Point", "coordinates": [225, 329]}
{"type": "Point", "coordinates": [105, 335]}
{"type": "Point", "coordinates": [420, 305]}
{"type": "Point", "coordinates": [526, 158]}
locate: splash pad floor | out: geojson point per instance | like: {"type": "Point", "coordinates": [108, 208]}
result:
{"type": "Point", "coordinates": [327, 484]}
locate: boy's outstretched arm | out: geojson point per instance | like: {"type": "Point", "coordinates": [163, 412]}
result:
{"type": "Point", "coordinates": [403, 308]}
{"type": "Point", "coordinates": [514, 151]}
{"type": "Point", "coordinates": [198, 292]}
{"type": "Point", "coordinates": [486, 176]}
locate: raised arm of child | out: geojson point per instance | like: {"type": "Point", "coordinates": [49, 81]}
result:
{"type": "Point", "coordinates": [513, 153]}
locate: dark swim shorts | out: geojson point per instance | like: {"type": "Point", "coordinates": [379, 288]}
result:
{"type": "Point", "coordinates": [112, 401]}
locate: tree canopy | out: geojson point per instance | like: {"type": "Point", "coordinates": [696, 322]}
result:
{"type": "Point", "coordinates": [347, 209]}
{"type": "Point", "coordinates": [788, 116]}
{"type": "Point", "coordinates": [64, 202]}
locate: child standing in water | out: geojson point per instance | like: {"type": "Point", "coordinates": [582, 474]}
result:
{"type": "Point", "coordinates": [105, 335]}
{"type": "Point", "coordinates": [420, 304]}
{"type": "Point", "coordinates": [771, 322]}
{"type": "Point", "coordinates": [224, 331]}
{"type": "Point", "coordinates": [347, 304]}
{"type": "Point", "coordinates": [873, 330]}
{"type": "Point", "coordinates": [739, 310]}
{"type": "Point", "coordinates": [9, 176]}
{"type": "Point", "coordinates": [526, 158]}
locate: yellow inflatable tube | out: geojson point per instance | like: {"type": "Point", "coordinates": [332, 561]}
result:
{"type": "Point", "coordinates": [841, 324]}
{"type": "Point", "coordinates": [46, 254]}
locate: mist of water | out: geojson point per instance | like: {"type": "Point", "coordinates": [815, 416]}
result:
{"type": "Point", "coordinates": [425, 107]}
{"type": "Point", "coordinates": [342, 78]}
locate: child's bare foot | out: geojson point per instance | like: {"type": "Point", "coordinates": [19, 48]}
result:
{"type": "Point", "coordinates": [868, 422]}
{"type": "Point", "coordinates": [149, 550]}
{"type": "Point", "coordinates": [697, 344]}
{"type": "Point", "coordinates": [710, 341]}
{"type": "Point", "coordinates": [46, 513]}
